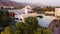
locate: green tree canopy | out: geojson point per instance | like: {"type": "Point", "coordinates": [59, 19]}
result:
{"type": "Point", "coordinates": [29, 27]}
{"type": "Point", "coordinates": [4, 18]}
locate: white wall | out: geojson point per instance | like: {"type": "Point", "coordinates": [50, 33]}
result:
{"type": "Point", "coordinates": [45, 21]}
{"type": "Point", "coordinates": [57, 11]}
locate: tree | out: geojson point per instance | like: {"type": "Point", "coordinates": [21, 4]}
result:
{"type": "Point", "coordinates": [49, 8]}
{"type": "Point", "coordinates": [33, 23]}
{"type": "Point", "coordinates": [25, 31]}
{"type": "Point", "coordinates": [29, 27]}
{"type": "Point", "coordinates": [8, 30]}
{"type": "Point", "coordinates": [19, 25]}
{"type": "Point", "coordinates": [4, 18]}
{"type": "Point", "coordinates": [17, 31]}
{"type": "Point", "coordinates": [23, 27]}
{"type": "Point", "coordinates": [38, 31]}
{"type": "Point", "coordinates": [11, 30]}
{"type": "Point", "coordinates": [48, 31]}
{"type": "Point", "coordinates": [2, 32]}
{"type": "Point", "coordinates": [45, 31]}
{"type": "Point", "coordinates": [42, 30]}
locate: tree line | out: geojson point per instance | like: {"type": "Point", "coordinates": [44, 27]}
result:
{"type": "Point", "coordinates": [30, 26]}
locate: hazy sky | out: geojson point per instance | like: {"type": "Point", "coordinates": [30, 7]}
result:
{"type": "Point", "coordinates": [44, 2]}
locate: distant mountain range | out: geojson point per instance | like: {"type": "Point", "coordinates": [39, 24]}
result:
{"type": "Point", "coordinates": [8, 3]}
{"type": "Point", "coordinates": [12, 3]}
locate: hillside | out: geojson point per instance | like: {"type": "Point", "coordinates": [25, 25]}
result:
{"type": "Point", "coordinates": [12, 3]}
{"type": "Point", "coordinates": [8, 3]}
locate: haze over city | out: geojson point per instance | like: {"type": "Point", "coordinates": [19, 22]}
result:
{"type": "Point", "coordinates": [44, 2]}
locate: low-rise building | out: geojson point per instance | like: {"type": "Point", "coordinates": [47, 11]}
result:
{"type": "Point", "coordinates": [50, 13]}
{"type": "Point", "coordinates": [6, 7]}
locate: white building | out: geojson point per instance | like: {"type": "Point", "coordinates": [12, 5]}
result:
{"type": "Point", "coordinates": [45, 21]}
{"type": "Point", "coordinates": [52, 13]}
{"type": "Point", "coordinates": [57, 11]}
{"type": "Point", "coordinates": [23, 13]}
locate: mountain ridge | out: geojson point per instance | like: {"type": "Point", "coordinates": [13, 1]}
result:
{"type": "Point", "coordinates": [12, 3]}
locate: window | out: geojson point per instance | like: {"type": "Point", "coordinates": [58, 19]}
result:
{"type": "Point", "coordinates": [16, 18]}
{"type": "Point", "coordinates": [21, 19]}
{"type": "Point", "coordinates": [40, 16]}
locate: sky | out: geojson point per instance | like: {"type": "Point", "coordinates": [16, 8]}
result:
{"type": "Point", "coordinates": [44, 2]}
